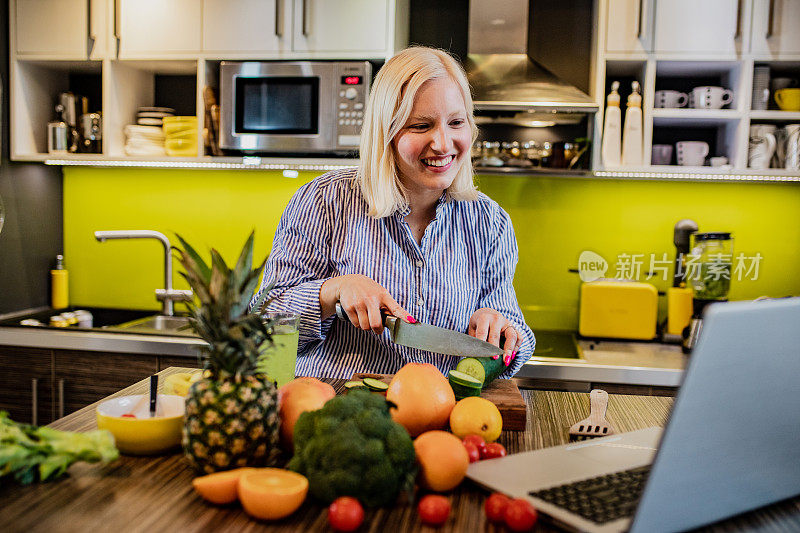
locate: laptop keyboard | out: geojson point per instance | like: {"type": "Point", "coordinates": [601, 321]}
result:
{"type": "Point", "coordinates": [600, 499]}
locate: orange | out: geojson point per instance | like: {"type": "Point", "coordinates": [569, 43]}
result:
{"type": "Point", "coordinates": [219, 487]}
{"type": "Point", "coordinates": [476, 416]}
{"type": "Point", "coordinates": [423, 397]}
{"type": "Point", "coordinates": [443, 460]}
{"type": "Point", "coordinates": [272, 493]}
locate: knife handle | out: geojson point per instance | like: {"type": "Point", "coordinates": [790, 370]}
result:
{"type": "Point", "coordinates": [389, 321]}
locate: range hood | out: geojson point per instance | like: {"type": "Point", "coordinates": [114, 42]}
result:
{"type": "Point", "coordinates": [502, 75]}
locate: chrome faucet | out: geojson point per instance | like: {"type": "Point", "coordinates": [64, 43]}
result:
{"type": "Point", "coordinates": [166, 295]}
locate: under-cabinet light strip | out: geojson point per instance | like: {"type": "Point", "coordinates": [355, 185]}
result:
{"type": "Point", "coordinates": [191, 164]}
{"type": "Point", "coordinates": [693, 177]}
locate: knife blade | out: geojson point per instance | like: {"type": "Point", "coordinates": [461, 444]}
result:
{"type": "Point", "coordinates": [432, 338]}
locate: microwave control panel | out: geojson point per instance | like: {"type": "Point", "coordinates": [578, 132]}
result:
{"type": "Point", "coordinates": [353, 89]}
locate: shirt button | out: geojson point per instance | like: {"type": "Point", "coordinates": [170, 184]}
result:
{"type": "Point", "coordinates": [420, 301]}
{"type": "Point", "coordinates": [419, 263]}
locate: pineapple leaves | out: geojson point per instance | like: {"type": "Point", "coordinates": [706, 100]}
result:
{"type": "Point", "coordinates": [192, 261]}
{"type": "Point", "coordinates": [234, 336]}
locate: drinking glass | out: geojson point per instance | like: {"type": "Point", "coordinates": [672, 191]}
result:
{"type": "Point", "coordinates": [277, 359]}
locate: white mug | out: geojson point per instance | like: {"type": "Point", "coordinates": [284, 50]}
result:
{"type": "Point", "coordinates": [792, 147]}
{"type": "Point", "coordinates": [670, 99]}
{"type": "Point", "coordinates": [691, 153]}
{"type": "Point", "coordinates": [708, 97]}
{"type": "Point", "coordinates": [762, 145]}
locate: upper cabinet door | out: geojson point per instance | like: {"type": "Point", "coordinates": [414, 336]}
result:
{"type": "Point", "coordinates": [56, 29]}
{"type": "Point", "coordinates": [776, 27]}
{"type": "Point", "coordinates": [629, 27]}
{"type": "Point", "coordinates": [149, 29]}
{"type": "Point", "coordinates": [253, 26]}
{"type": "Point", "coordinates": [341, 26]}
{"type": "Point", "coordinates": [708, 27]}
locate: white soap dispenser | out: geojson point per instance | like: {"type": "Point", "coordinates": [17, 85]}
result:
{"type": "Point", "coordinates": [632, 133]}
{"type": "Point", "coordinates": [610, 148]}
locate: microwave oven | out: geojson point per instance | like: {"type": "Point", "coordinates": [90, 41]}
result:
{"type": "Point", "coordinates": [300, 107]}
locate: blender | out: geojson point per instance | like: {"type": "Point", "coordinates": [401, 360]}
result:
{"type": "Point", "coordinates": [709, 269]}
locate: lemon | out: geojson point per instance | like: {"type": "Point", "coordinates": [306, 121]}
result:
{"type": "Point", "coordinates": [476, 416]}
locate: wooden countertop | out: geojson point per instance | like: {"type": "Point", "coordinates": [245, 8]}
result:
{"type": "Point", "coordinates": [155, 493]}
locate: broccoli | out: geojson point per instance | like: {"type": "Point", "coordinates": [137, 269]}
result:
{"type": "Point", "coordinates": [352, 447]}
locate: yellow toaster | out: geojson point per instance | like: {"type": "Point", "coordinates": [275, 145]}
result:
{"type": "Point", "coordinates": [618, 309]}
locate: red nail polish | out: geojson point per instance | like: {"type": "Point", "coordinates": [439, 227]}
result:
{"type": "Point", "coordinates": [411, 319]}
{"type": "Point", "coordinates": [513, 354]}
{"type": "Point", "coordinates": [495, 357]}
{"type": "Point", "coordinates": [506, 360]}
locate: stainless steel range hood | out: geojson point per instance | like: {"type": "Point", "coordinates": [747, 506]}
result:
{"type": "Point", "coordinates": [502, 76]}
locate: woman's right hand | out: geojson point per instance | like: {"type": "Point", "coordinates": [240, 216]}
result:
{"type": "Point", "coordinates": [362, 299]}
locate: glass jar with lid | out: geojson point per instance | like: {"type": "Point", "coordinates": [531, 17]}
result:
{"type": "Point", "coordinates": [709, 265]}
{"type": "Point", "coordinates": [491, 154]}
{"type": "Point", "coordinates": [532, 151]}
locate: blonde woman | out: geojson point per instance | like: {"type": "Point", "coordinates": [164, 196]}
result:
{"type": "Point", "coordinates": [406, 233]}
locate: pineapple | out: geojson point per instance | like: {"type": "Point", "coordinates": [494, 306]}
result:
{"type": "Point", "coordinates": [232, 412]}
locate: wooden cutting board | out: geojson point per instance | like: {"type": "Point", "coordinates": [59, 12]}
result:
{"type": "Point", "coordinates": [504, 393]}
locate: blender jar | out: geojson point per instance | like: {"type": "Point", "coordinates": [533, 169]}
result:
{"type": "Point", "coordinates": [709, 265]}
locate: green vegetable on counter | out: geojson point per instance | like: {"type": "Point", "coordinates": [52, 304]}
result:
{"type": "Point", "coordinates": [484, 369]}
{"type": "Point", "coordinates": [352, 447]}
{"type": "Point", "coordinates": [32, 454]}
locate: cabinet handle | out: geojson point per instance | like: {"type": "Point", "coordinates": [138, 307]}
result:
{"type": "Point", "coordinates": [738, 33]}
{"type": "Point", "coordinates": [60, 398]}
{"type": "Point", "coordinates": [89, 34]}
{"type": "Point", "coordinates": [305, 18]}
{"type": "Point", "coordinates": [35, 401]}
{"type": "Point", "coordinates": [771, 21]}
{"type": "Point", "coordinates": [640, 26]}
{"type": "Point", "coordinates": [117, 25]}
{"type": "Point", "coordinates": [278, 18]}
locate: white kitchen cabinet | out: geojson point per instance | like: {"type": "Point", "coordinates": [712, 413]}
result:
{"type": "Point", "coordinates": [778, 34]}
{"type": "Point", "coordinates": [60, 29]}
{"type": "Point", "coordinates": [148, 29]}
{"type": "Point", "coordinates": [710, 27]}
{"type": "Point", "coordinates": [628, 28]}
{"type": "Point", "coordinates": [254, 26]}
{"type": "Point", "coordinates": [341, 25]}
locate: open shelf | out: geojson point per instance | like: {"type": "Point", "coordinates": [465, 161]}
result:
{"type": "Point", "coordinates": [700, 117]}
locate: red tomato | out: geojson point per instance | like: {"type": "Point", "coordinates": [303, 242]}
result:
{"type": "Point", "coordinates": [477, 440]}
{"type": "Point", "coordinates": [472, 451]}
{"type": "Point", "coordinates": [520, 515]}
{"type": "Point", "coordinates": [345, 514]}
{"type": "Point", "coordinates": [494, 450]}
{"type": "Point", "coordinates": [495, 507]}
{"type": "Point", "coordinates": [434, 509]}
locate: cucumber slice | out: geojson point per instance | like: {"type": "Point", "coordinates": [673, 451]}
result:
{"type": "Point", "coordinates": [464, 385]}
{"type": "Point", "coordinates": [484, 369]}
{"type": "Point", "coordinates": [375, 384]}
{"type": "Point", "coordinates": [354, 384]}
{"type": "Point", "coordinates": [460, 378]}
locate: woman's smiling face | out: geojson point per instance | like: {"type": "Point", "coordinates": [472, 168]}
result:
{"type": "Point", "coordinates": [435, 140]}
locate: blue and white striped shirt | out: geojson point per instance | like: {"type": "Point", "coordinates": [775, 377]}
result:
{"type": "Point", "coordinates": [466, 261]}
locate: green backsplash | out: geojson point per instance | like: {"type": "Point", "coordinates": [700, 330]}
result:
{"type": "Point", "coordinates": [555, 220]}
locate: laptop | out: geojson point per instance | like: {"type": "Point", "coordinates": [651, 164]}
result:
{"type": "Point", "coordinates": [732, 442]}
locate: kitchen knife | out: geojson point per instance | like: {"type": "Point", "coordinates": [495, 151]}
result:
{"type": "Point", "coordinates": [432, 338]}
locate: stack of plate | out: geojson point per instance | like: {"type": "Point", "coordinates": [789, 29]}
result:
{"type": "Point", "coordinates": [144, 140]}
{"type": "Point", "coordinates": [152, 116]}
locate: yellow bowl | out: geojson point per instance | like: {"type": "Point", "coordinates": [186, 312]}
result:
{"type": "Point", "coordinates": [170, 125]}
{"type": "Point", "coordinates": [143, 435]}
{"type": "Point", "coordinates": [788, 99]}
{"type": "Point", "coordinates": [181, 147]}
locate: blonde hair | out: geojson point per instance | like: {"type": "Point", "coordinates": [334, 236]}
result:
{"type": "Point", "coordinates": [388, 108]}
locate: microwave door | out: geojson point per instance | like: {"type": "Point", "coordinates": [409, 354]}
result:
{"type": "Point", "coordinates": [282, 113]}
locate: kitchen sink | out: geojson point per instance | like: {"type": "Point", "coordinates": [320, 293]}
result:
{"type": "Point", "coordinates": [557, 344]}
{"type": "Point", "coordinates": [110, 321]}
{"type": "Point", "coordinates": [171, 325]}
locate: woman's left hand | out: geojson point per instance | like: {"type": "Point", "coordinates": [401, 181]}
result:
{"type": "Point", "coordinates": [489, 325]}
